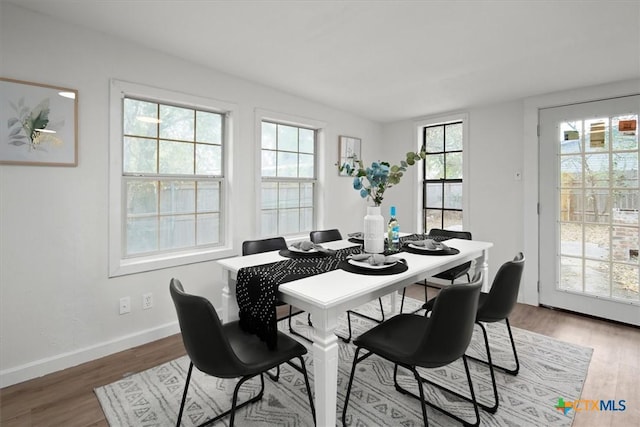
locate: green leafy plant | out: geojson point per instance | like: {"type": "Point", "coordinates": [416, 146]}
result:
{"type": "Point", "coordinates": [27, 126]}
{"type": "Point", "coordinates": [372, 182]}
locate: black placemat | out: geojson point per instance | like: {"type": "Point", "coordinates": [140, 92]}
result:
{"type": "Point", "coordinates": [450, 251]}
{"type": "Point", "coordinates": [290, 254]}
{"type": "Point", "coordinates": [399, 267]}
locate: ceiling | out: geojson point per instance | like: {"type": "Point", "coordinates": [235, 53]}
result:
{"type": "Point", "coordinates": [384, 60]}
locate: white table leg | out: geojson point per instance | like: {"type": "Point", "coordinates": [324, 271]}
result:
{"type": "Point", "coordinates": [325, 360]}
{"type": "Point", "coordinates": [483, 262]}
{"type": "Point", "coordinates": [230, 308]}
{"type": "Point", "coordinates": [393, 297]}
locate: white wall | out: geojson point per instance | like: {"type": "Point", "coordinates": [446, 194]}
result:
{"type": "Point", "coordinates": [495, 197]}
{"type": "Point", "coordinates": [58, 307]}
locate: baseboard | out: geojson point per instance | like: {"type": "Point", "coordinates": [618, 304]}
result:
{"type": "Point", "coordinates": [62, 361]}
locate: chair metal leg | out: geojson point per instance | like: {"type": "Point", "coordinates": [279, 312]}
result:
{"type": "Point", "coordinates": [471, 399]}
{"type": "Point", "coordinates": [373, 319]}
{"type": "Point", "coordinates": [350, 312]}
{"type": "Point", "coordinates": [298, 334]}
{"type": "Point", "coordinates": [515, 353]}
{"type": "Point", "coordinates": [473, 394]}
{"type": "Point", "coordinates": [234, 405]}
{"type": "Point", "coordinates": [184, 394]}
{"type": "Point", "coordinates": [513, 347]}
{"type": "Point", "coordinates": [290, 315]}
{"type": "Point", "coordinates": [347, 339]}
{"type": "Point", "coordinates": [423, 402]}
{"type": "Point", "coordinates": [303, 369]}
{"type": "Point", "coordinates": [275, 377]}
{"type": "Point", "coordinates": [294, 332]}
{"type": "Point", "coordinates": [494, 408]}
{"type": "Point", "coordinates": [356, 360]}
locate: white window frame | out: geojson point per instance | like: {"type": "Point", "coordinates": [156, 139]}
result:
{"type": "Point", "coordinates": [291, 120]}
{"type": "Point", "coordinates": [420, 124]}
{"type": "Point", "coordinates": [120, 265]}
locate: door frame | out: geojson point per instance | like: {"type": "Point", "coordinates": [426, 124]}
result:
{"type": "Point", "coordinates": [529, 289]}
{"type": "Point", "coordinates": [599, 306]}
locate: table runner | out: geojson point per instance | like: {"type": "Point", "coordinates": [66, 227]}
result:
{"type": "Point", "coordinates": [256, 287]}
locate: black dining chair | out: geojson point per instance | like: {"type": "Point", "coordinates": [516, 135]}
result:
{"type": "Point", "coordinates": [250, 247]}
{"type": "Point", "coordinates": [226, 351]}
{"type": "Point", "coordinates": [495, 306]}
{"type": "Point", "coordinates": [453, 273]}
{"type": "Point", "coordinates": [322, 236]}
{"type": "Point", "coordinates": [411, 341]}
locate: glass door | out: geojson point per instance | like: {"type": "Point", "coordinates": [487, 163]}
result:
{"type": "Point", "coordinates": [589, 200]}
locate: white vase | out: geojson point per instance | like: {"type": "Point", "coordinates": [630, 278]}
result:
{"type": "Point", "coordinates": [373, 231]}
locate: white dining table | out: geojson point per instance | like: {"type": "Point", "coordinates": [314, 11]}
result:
{"type": "Point", "coordinates": [326, 296]}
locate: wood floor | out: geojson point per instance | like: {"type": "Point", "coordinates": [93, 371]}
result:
{"type": "Point", "coordinates": [66, 398]}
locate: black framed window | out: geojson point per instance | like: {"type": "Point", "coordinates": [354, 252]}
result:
{"type": "Point", "coordinates": [443, 176]}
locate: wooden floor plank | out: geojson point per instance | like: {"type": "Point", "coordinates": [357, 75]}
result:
{"type": "Point", "coordinates": [66, 398]}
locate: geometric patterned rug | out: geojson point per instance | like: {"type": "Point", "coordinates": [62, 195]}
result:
{"type": "Point", "coordinates": [549, 370]}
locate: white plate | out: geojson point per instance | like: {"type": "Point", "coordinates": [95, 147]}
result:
{"type": "Point", "coordinates": [423, 248]}
{"type": "Point", "coordinates": [365, 264]}
{"type": "Point", "coordinates": [300, 251]}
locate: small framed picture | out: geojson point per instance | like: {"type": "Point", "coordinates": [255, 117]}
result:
{"type": "Point", "coordinates": [349, 151]}
{"type": "Point", "coordinates": [38, 124]}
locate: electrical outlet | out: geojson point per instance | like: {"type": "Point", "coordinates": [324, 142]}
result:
{"type": "Point", "coordinates": [147, 301]}
{"type": "Point", "coordinates": [125, 305]}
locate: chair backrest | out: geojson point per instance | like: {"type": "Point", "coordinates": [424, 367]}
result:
{"type": "Point", "coordinates": [450, 233]}
{"type": "Point", "coordinates": [321, 236]}
{"type": "Point", "coordinates": [203, 335]}
{"type": "Point", "coordinates": [450, 326]}
{"type": "Point", "coordinates": [459, 270]}
{"type": "Point", "coordinates": [503, 295]}
{"type": "Point", "coordinates": [264, 245]}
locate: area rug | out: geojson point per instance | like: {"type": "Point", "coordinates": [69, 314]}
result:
{"type": "Point", "coordinates": [549, 370]}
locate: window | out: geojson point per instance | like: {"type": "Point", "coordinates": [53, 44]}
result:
{"type": "Point", "coordinates": [168, 172]}
{"type": "Point", "coordinates": [443, 176]}
{"type": "Point", "coordinates": [288, 170]}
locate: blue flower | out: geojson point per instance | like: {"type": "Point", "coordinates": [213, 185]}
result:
{"type": "Point", "coordinates": [374, 180]}
{"type": "Point", "coordinates": [357, 183]}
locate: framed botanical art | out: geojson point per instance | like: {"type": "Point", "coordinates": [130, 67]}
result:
{"type": "Point", "coordinates": [38, 124]}
{"type": "Point", "coordinates": [349, 151]}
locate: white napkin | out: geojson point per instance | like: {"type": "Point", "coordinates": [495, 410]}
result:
{"type": "Point", "coordinates": [375, 259]}
{"type": "Point", "coordinates": [430, 244]}
{"type": "Point", "coordinates": [307, 245]}
{"type": "Point", "coordinates": [304, 245]}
